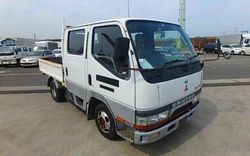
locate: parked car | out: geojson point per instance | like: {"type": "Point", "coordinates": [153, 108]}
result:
{"type": "Point", "coordinates": [232, 48]}
{"type": "Point", "coordinates": [57, 52]}
{"type": "Point", "coordinates": [246, 49]}
{"type": "Point", "coordinates": [210, 48]}
{"type": "Point", "coordinates": [32, 60]}
{"type": "Point", "coordinates": [21, 52]}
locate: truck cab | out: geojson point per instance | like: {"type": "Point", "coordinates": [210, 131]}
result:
{"type": "Point", "coordinates": [138, 78]}
{"type": "Point", "coordinates": [7, 55]}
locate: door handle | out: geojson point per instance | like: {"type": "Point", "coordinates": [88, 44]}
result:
{"type": "Point", "coordinates": [89, 80]}
{"type": "Point", "coordinates": [66, 71]}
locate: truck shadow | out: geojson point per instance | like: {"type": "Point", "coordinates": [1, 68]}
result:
{"type": "Point", "coordinates": [200, 120]}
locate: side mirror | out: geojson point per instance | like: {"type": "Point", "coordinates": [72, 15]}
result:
{"type": "Point", "coordinates": [121, 49]}
{"type": "Point", "coordinates": [227, 55]}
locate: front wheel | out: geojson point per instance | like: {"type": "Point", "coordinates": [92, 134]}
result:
{"type": "Point", "coordinates": [242, 53]}
{"type": "Point", "coordinates": [57, 92]}
{"type": "Point", "coordinates": [105, 122]}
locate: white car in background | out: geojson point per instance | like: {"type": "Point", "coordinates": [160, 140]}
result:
{"type": "Point", "coordinates": [32, 60]}
{"type": "Point", "coordinates": [232, 48]}
{"type": "Point", "coordinates": [246, 49]}
{"type": "Point", "coordinates": [57, 52]}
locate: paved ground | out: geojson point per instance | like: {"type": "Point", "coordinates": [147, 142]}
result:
{"type": "Point", "coordinates": [32, 124]}
{"type": "Point", "coordinates": [19, 76]}
{"type": "Point", "coordinates": [236, 68]}
{"type": "Point", "coordinates": [223, 69]}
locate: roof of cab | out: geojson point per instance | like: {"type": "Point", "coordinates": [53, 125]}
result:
{"type": "Point", "coordinates": [121, 20]}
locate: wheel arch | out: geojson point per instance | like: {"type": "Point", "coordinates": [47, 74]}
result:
{"type": "Point", "coordinates": [93, 102]}
{"type": "Point", "coordinates": [49, 80]}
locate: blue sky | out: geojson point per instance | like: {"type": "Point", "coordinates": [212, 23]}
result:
{"type": "Point", "coordinates": [23, 18]}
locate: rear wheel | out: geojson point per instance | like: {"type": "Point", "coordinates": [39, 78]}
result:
{"type": "Point", "coordinates": [57, 93]}
{"type": "Point", "coordinates": [105, 122]}
{"type": "Point", "coordinates": [18, 62]}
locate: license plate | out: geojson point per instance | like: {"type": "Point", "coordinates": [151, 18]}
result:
{"type": "Point", "coordinates": [5, 62]}
{"type": "Point", "coordinates": [182, 121]}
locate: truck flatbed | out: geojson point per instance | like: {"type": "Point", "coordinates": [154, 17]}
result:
{"type": "Point", "coordinates": [52, 66]}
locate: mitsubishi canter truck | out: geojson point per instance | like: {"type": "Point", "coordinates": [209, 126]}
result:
{"type": "Point", "coordinates": [139, 79]}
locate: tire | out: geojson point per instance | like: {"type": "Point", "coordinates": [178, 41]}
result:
{"type": "Point", "coordinates": [18, 62]}
{"type": "Point", "coordinates": [242, 53]}
{"type": "Point", "coordinates": [232, 52]}
{"type": "Point", "coordinates": [105, 122]}
{"type": "Point", "coordinates": [58, 94]}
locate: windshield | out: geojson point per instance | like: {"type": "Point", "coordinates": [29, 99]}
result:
{"type": "Point", "coordinates": [36, 53]}
{"type": "Point", "coordinates": [37, 48]}
{"type": "Point", "coordinates": [56, 51]}
{"type": "Point", "coordinates": [6, 49]}
{"type": "Point", "coordinates": [236, 46]}
{"type": "Point", "coordinates": [157, 43]}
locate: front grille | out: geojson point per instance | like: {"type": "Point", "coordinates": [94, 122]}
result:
{"type": "Point", "coordinates": [183, 109]}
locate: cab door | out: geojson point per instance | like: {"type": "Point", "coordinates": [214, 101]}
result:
{"type": "Point", "coordinates": [74, 64]}
{"type": "Point", "coordinates": [109, 78]}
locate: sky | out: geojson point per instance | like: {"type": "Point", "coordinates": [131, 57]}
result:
{"type": "Point", "coordinates": [24, 18]}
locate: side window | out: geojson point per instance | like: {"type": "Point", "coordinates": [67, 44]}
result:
{"type": "Point", "coordinates": [76, 42]}
{"type": "Point", "coordinates": [103, 48]}
{"type": "Point", "coordinates": [25, 49]}
{"type": "Point", "coordinates": [18, 50]}
{"type": "Point", "coordinates": [47, 53]}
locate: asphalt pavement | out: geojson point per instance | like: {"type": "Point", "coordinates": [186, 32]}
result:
{"type": "Point", "coordinates": [236, 70]}
{"type": "Point", "coordinates": [33, 124]}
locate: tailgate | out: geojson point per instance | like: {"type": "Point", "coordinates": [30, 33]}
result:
{"type": "Point", "coordinates": [52, 67]}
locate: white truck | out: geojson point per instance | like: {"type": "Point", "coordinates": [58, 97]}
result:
{"type": "Point", "coordinates": [7, 55]}
{"type": "Point", "coordinates": [237, 39]}
{"type": "Point", "coordinates": [139, 79]}
{"type": "Point", "coordinates": [45, 45]}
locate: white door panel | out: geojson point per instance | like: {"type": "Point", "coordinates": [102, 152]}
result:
{"type": "Point", "coordinates": [105, 81]}
{"type": "Point", "coordinates": [75, 63]}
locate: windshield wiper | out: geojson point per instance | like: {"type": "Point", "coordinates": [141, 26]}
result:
{"type": "Point", "coordinates": [190, 58]}
{"type": "Point", "coordinates": [169, 63]}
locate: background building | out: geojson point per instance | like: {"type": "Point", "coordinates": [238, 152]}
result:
{"type": "Point", "coordinates": [17, 41]}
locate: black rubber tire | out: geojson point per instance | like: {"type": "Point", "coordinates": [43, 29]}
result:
{"type": "Point", "coordinates": [58, 94]}
{"type": "Point", "coordinates": [112, 135]}
{"type": "Point", "coordinates": [242, 53]}
{"type": "Point", "coordinates": [18, 62]}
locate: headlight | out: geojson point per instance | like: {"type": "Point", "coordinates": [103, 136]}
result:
{"type": "Point", "coordinates": [163, 115]}
{"type": "Point", "coordinates": [153, 119]}
{"type": "Point", "coordinates": [31, 60]}
{"type": "Point", "coordinates": [150, 120]}
{"type": "Point", "coordinates": [195, 100]}
{"type": "Point", "coordinates": [141, 121]}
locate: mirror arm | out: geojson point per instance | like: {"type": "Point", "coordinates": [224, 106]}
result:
{"type": "Point", "coordinates": [208, 60]}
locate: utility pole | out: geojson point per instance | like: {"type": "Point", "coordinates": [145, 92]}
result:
{"type": "Point", "coordinates": [128, 9]}
{"type": "Point", "coordinates": [182, 13]}
{"type": "Point", "coordinates": [34, 36]}
{"type": "Point", "coordinates": [235, 30]}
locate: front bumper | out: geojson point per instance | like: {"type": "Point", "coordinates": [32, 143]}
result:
{"type": "Point", "coordinates": [141, 138]}
{"type": "Point", "coordinates": [8, 62]}
{"type": "Point", "coordinates": [28, 64]}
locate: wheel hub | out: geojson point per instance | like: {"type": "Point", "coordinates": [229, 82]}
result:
{"type": "Point", "coordinates": [103, 121]}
